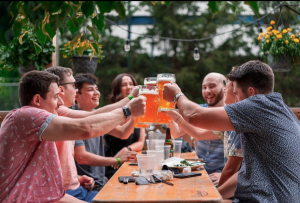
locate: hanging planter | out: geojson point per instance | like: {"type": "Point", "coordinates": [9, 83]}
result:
{"type": "Point", "coordinates": [280, 47]}
{"type": "Point", "coordinates": [280, 64]}
{"type": "Point", "coordinates": [83, 64]}
{"type": "Point", "coordinates": [85, 55]}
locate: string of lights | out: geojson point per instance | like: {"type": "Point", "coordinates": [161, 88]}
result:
{"type": "Point", "coordinates": [196, 51]}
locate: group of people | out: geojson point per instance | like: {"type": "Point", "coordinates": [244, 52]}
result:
{"type": "Point", "coordinates": [243, 120]}
{"type": "Point", "coordinates": [47, 165]}
{"type": "Point", "coordinates": [268, 130]}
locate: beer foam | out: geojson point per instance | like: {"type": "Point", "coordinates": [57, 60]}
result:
{"type": "Point", "coordinates": [150, 83]}
{"type": "Point", "coordinates": [168, 79]}
{"type": "Point", "coordinates": [149, 92]}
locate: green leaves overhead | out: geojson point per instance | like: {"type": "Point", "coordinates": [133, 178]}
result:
{"type": "Point", "coordinates": [99, 22]}
{"type": "Point", "coordinates": [232, 6]}
{"type": "Point", "coordinates": [253, 5]}
{"type": "Point", "coordinates": [87, 8]}
{"type": "Point", "coordinates": [215, 6]}
{"type": "Point", "coordinates": [94, 33]}
{"type": "Point", "coordinates": [119, 7]}
{"type": "Point", "coordinates": [37, 47]}
{"type": "Point", "coordinates": [74, 24]}
{"type": "Point", "coordinates": [105, 6]}
{"type": "Point", "coordinates": [41, 37]}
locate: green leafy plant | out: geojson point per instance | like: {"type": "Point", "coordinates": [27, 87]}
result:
{"type": "Point", "coordinates": [280, 43]}
{"type": "Point", "coordinates": [76, 47]}
{"type": "Point", "coordinates": [26, 50]}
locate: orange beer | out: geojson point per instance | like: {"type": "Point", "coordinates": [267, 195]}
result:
{"type": "Point", "coordinates": [162, 79]}
{"type": "Point", "coordinates": [150, 116]}
{"type": "Point", "coordinates": [137, 125]}
{"type": "Point", "coordinates": [161, 117]}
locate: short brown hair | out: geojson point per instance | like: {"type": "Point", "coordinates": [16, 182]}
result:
{"type": "Point", "coordinates": [61, 72]}
{"type": "Point", "coordinates": [116, 94]}
{"type": "Point", "coordinates": [85, 78]}
{"type": "Point", "coordinates": [253, 74]}
{"type": "Point", "coordinates": [35, 82]}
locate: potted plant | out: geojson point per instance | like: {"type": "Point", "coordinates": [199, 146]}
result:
{"type": "Point", "coordinates": [26, 52]}
{"type": "Point", "coordinates": [281, 49]}
{"type": "Point", "coordinates": [85, 55]}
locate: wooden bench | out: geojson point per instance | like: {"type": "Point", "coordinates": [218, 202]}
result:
{"type": "Point", "coordinates": [296, 111]}
{"type": "Point", "coordinates": [2, 115]}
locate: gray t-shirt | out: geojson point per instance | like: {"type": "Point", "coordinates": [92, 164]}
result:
{"type": "Point", "coordinates": [96, 146]}
{"type": "Point", "coordinates": [270, 136]}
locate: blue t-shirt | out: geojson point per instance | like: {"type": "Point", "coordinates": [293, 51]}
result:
{"type": "Point", "coordinates": [212, 152]}
{"type": "Point", "coordinates": [270, 136]}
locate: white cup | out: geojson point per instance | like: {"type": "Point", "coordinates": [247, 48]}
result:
{"type": "Point", "coordinates": [166, 149]}
{"type": "Point", "coordinates": [177, 148]}
{"type": "Point", "coordinates": [147, 142]}
{"type": "Point", "coordinates": [158, 159]}
{"type": "Point", "coordinates": [156, 139]}
{"type": "Point", "coordinates": [146, 164]}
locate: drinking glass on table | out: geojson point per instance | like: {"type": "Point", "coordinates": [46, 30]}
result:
{"type": "Point", "coordinates": [146, 164]}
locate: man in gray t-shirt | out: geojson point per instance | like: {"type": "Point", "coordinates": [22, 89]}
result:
{"type": "Point", "coordinates": [89, 154]}
{"type": "Point", "coordinates": [270, 133]}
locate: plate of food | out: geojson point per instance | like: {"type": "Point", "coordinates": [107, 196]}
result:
{"type": "Point", "coordinates": [184, 163]}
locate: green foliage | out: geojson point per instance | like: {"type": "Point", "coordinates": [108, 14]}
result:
{"type": "Point", "coordinates": [279, 43]}
{"type": "Point", "coordinates": [30, 51]}
{"type": "Point", "coordinates": [50, 16]}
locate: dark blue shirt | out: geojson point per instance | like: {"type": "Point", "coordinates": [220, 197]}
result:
{"type": "Point", "coordinates": [270, 137]}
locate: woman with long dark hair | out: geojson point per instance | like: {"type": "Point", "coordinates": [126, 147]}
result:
{"type": "Point", "coordinates": [120, 88]}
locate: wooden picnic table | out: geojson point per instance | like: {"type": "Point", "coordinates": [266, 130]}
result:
{"type": "Point", "coordinates": [194, 189]}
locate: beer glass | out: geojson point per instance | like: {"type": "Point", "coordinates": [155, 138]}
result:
{"type": "Point", "coordinates": [137, 125]}
{"type": "Point", "coordinates": [150, 116]}
{"type": "Point", "coordinates": [162, 79]}
{"type": "Point", "coordinates": [150, 81]}
{"type": "Point", "coordinates": [161, 117]}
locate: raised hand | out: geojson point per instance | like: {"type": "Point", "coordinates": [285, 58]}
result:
{"type": "Point", "coordinates": [170, 90]}
{"type": "Point", "coordinates": [137, 106]}
{"type": "Point", "coordinates": [135, 91]}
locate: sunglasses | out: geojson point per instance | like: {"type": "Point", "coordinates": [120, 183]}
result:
{"type": "Point", "coordinates": [75, 87]}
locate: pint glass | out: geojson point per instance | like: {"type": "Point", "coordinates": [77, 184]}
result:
{"type": "Point", "coordinates": [161, 117]}
{"type": "Point", "coordinates": [162, 79]}
{"type": "Point", "coordinates": [150, 116]}
{"type": "Point", "coordinates": [150, 81]}
{"type": "Point", "coordinates": [137, 125]}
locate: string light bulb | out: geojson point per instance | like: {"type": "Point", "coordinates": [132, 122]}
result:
{"type": "Point", "coordinates": [127, 45]}
{"type": "Point", "coordinates": [196, 54]}
{"type": "Point", "coordinates": [260, 29]}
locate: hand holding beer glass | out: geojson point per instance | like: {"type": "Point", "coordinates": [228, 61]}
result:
{"type": "Point", "coordinates": [162, 79]}
{"type": "Point", "coordinates": [151, 82]}
{"type": "Point", "coordinates": [150, 116]}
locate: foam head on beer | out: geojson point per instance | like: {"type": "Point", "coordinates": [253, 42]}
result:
{"type": "Point", "coordinates": [150, 81]}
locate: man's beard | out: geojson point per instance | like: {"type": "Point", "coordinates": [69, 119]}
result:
{"type": "Point", "coordinates": [219, 96]}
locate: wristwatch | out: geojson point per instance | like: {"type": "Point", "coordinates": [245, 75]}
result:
{"type": "Point", "coordinates": [126, 112]}
{"type": "Point", "coordinates": [177, 96]}
{"type": "Point", "coordinates": [176, 99]}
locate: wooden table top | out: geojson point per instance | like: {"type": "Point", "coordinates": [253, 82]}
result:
{"type": "Point", "coordinates": [194, 189]}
